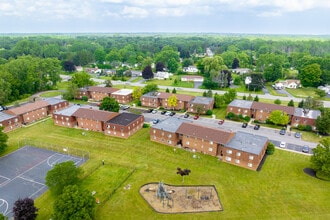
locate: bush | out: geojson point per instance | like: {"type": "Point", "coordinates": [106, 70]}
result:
{"type": "Point", "coordinates": [308, 128]}
{"type": "Point", "coordinates": [209, 112]}
{"type": "Point", "coordinates": [256, 121]}
{"type": "Point", "coordinates": [301, 127]}
{"type": "Point", "coordinates": [145, 125]}
{"type": "Point", "coordinates": [247, 118]}
{"type": "Point", "coordinates": [269, 122]}
{"type": "Point", "coordinates": [270, 148]}
{"type": "Point", "coordinates": [231, 115]}
{"type": "Point", "coordinates": [240, 116]}
{"type": "Point", "coordinates": [84, 98]}
{"type": "Point", "coordinates": [139, 103]}
{"type": "Point", "coordinates": [161, 108]}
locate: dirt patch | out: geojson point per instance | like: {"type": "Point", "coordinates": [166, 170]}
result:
{"type": "Point", "coordinates": [181, 199]}
{"type": "Point", "coordinates": [310, 172]}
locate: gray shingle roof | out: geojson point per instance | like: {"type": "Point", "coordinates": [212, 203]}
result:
{"type": "Point", "coordinates": [202, 100]}
{"type": "Point", "coordinates": [53, 101]}
{"type": "Point", "coordinates": [68, 111]}
{"type": "Point", "coordinates": [241, 103]}
{"type": "Point", "coordinates": [170, 124]}
{"type": "Point", "coordinates": [5, 116]}
{"type": "Point", "coordinates": [310, 114]}
{"type": "Point", "coordinates": [247, 142]}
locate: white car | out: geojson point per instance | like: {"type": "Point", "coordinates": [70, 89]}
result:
{"type": "Point", "coordinates": [168, 113]}
{"type": "Point", "coordinates": [282, 144]}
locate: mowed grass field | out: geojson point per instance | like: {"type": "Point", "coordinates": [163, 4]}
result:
{"type": "Point", "coordinates": [281, 190]}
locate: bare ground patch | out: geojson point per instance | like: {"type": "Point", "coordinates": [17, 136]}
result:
{"type": "Point", "coordinates": [182, 199]}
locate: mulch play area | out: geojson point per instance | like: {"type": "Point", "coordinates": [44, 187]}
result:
{"type": "Point", "coordinates": [166, 198]}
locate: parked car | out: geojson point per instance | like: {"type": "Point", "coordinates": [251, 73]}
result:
{"type": "Point", "coordinates": [154, 111]}
{"type": "Point", "coordinates": [297, 135]}
{"type": "Point", "coordinates": [282, 131]}
{"type": "Point", "coordinates": [186, 116]}
{"type": "Point", "coordinates": [221, 122]}
{"type": "Point", "coordinates": [125, 107]}
{"type": "Point", "coordinates": [150, 110]}
{"type": "Point", "coordinates": [256, 127]}
{"type": "Point", "coordinates": [155, 121]}
{"type": "Point", "coordinates": [244, 125]}
{"type": "Point", "coordinates": [163, 112]}
{"type": "Point", "coordinates": [172, 113]}
{"type": "Point", "coordinates": [167, 113]}
{"type": "Point", "coordinates": [196, 117]}
{"type": "Point", "coordinates": [305, 149]}
{"type": "Point", "coordinates": [282, 144]}
{"type": "Point", "coordinates": [2, 108]}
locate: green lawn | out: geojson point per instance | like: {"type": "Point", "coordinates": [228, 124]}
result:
{"type": "Point", "coordinates": [51, 94]}
{"type": "Point", "coordinates": [302, 92]}
{"type": "Point", "coordinates": [170, 82]}
{"type": "Point", "coordinates": [280, 190]}
{"type": "Point", "coordinates": [137, 79]}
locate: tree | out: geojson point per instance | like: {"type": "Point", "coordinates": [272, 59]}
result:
{"type": "Point", "coordinates": [209, 93]}
{"type": "Point", "coordinates": [108, 83]}
{"type": "Point", "coordinates": [257, 82]}
{"type": "Point", "coordinates": [151, 87]}
{"type": "Point", "coordinates": [218, 100]}
{"type": "Point", "coordinates": [322, 122]}
{"type": "Point", "coordinates": [25, 209]}
{"type": "Point", "coordinates": [137, 92]}
{"type": "Point", "coordinates": [249, 98]}
{"type": "Point", "coordinates": [63, 174]}
{"type": "Point", "coordinates": [160, 67]}
{"type": "Point", "coordinates": [320, 92]}
{"type": "Point", "coordinates": [183, 173]}
{"type": "Point", "coordinates": [167, 90]}
{"type": "Point", "coordinates": [174, 91]}
{"type": "Point", "coordinates": [270, 148]}
{"type": "Point", "coordinates": [172, 101]}
{"type": "Point", "coordinates": [229, 96]}
{"type": "Point", "coordinates": [279, 117]}
{"type": "Point", "coordinates": [82, 79]}
{"type": "Point", "coordinates": [172, 65]}
{"type": "Point", "coordinates": [321, 159]}
{"type": "Point", "coordinates": [74, 203]}
{"type": "Point", "coordinates": [69, 66]}
{"type": "Point", "coordinates": [109, 104]}
{"type": "Point", "coordinates": [235, 64]}
{"type": "Point", "coordinates": [256, 98]}
{"type": "Point", "coordinates": [3, 140]}
{"type": "Point", "coordinates": [291, 103]}
{"type": "Point", "coordinates": [147, 73]}
{"type": "Point", "coordinates": [71, 92]}
{"type": "Point", "coordinates": [273, 72]}
{"type": "Point", "coordinates": [166, 55]}
{"type": "Point", "coordinates": [187, 62]}
{"type": "Point", "coordinates": [310, 76]}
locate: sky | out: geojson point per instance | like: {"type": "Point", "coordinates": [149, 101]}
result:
{"type": "Point", "coordinates": [301, 17]}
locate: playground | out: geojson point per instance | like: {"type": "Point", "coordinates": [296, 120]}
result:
{"type": "Point", "coordinates": [164, 198]}
{"type": "Point", "coordinates": [23, 174]}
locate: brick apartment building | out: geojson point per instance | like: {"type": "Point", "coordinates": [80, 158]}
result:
{"type": "Point", "coordinates": [9, 122]}
{"type": "Point", "coordinates": [308, 117]}
{"type": "Point", "coordinates": [150, 99]}
{"type": "Point", "coordinates": [242, 107]}
{"type": "Point", "coordinates": [65, 116]}
{"type": "Point", "coordinates": [55, 104]}
{"type": "Point", "coordinates": [200, 104]}
{"type": "Point", "coordinates": [182, 100]}
{"type": "Point", "coordinates": [123, 96]}
{"type": "Point", "coordinates": [97, 93]}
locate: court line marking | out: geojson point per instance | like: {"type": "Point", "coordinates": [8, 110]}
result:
{"type": "Point", "coordinates": [52, 164]}
{"type": "Point", "coordinates": [6, 203]}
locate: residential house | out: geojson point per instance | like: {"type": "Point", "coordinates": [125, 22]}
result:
{"type": "Point", "coordinates": [136, 73]}
{"type": "Point", "coordinates": [245, 150]}
{"type": "Point", "coordinates": [241, 70]}
{"type": "Point", "coordinates": [55, 104]}
{"type": "Point", "coordinates": [97, 93]}
{"type": "Point", "coordinates": [150, 99]}
{"type": "Point", "coordinates": [65, 116]}
{"type": "Point", "coordinates": [240, 107]}
{"type": "Point", "coordinates": [123, 96]}
{"type": "Point", "coordinates": [79, 68]}
{"type": "Point", "coordinates": [290, 83]}
{"type": "Point", "coordinates": [203, 139]}
{"type": "Point", "coordinates": [123, 125]}
{"type": "Point", "coordinates": [182, 100]}
{"type": "Point", "coordinates": [200, 105]}
{"type": "Point", "coordinates": [93, 70]}
{"type": "Point", "coordinates": [93, 119]}
{"type": "Point", "coordinates": [305, 117]}
{"type": "Point", "coordinates": [190, 69]}
{"type": "Point", "coordinates": [162, 75]}
{"type": "Point", "coordinates": [165, 131]}
{"type": "Point", "coordinates": [9, 122]}
{"type": "Point", "coordinates": [325, 88]}
{"type": "Point", "coordinates": [261, 111]}
{"type": "Point", "coordinates": [30, 112]}
{"type": "Point", "coordinates": [191, 78]}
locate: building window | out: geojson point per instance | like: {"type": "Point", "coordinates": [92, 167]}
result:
{"type": "Point", "coordinates": [229, 151]}
{"type": "Point", "coordinates": [169, 136]}
{"type": "Point", "coordinates": [228, 158]}
{"type": "Point", "coordinates": [237, 161]}
{"type": "Point", "coordinates": [250, 157]}
{"type": "Point", "coordinates": [249, 164]}
{"type": "Point", "coordinates": [210, 149]}
{"type": "Point", "coordinates": [154, 137]}
{"type": "Point", "coordinates": [211, 142]}
{"type": "Point", "coordinates": [238, 154]}
{"type": "Point", "coordinates": [169, 142]}
{"type": "Point", "coordinates": [154, 131]}
{"type": "Point", "coordinates": [187, 142]}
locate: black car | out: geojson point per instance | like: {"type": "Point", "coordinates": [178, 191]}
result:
{"type": "Point", "coordinates": [2, 108]}
{"type": "Point", "coordinates": [172, 113]}
{"type": "Point", "coordinates": [256, 127]}
{"type": "Point", "coordinates": [282, 131]}
{"type": "Point", "coordinates": [244, 125]}
{"type": "Point", "coordinates": [163, 112]}
{"type": "Point", "coordinates": [186, 116]}
{"type": "Point", "coordinates": [150, 110]}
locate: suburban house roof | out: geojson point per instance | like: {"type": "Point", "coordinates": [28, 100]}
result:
{"type": "Point", "coordinates": [246, 142]}
{"type": "Point", "coordinates": [123, 92]}
{"type": "Point", "coordinates": [206, 133]}
{"type": "Point", "coordinates": [93, 114]}
{"type": "Point", "coordinates": [180, 97]}
{"type": "Point", "coordinates": [53, 101]}
{"type": "Point", "coordinates": [152, 94]}
{"type": "Point", "coordinates": [69, 111]}
{"type": "Point", "coordinates": [170, 124]}
{"type": "Point", "coordinates": [124, 119]}
{"type": "Point", "coordinates": [241, 103]}
{"type": "Point", "coordinates": [202, 100]}
{"type": "Point", "coordinates": [271, 107]}
{"type": "Point", "coordinates": [100, 89]}
{"type": "Point", "coordinates": [192, 77]}
{"type": "Point", "coordinates": [5, 116]}
{"type": "Point", "coordinates": [299, 112]}
{"type": "Point", "coordinates": [28, 107]}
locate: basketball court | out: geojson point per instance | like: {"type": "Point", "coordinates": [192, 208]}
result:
{"type": "Point", "coordinates": [23, 172]}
